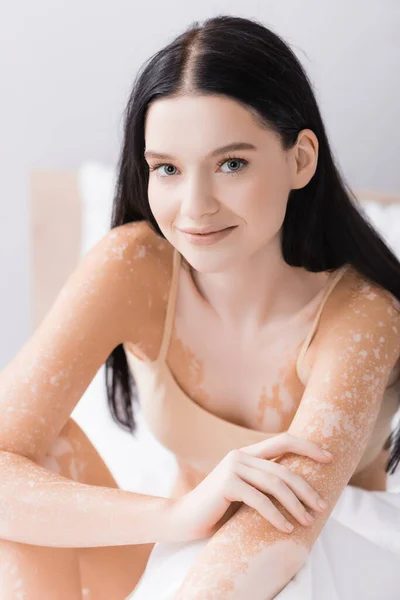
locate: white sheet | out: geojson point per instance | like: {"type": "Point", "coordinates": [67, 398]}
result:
{"type": "Point", "coordinates": [356, 556]}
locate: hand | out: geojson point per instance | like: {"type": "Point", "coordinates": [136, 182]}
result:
{"type": "Point", "coordinates": [244, 475]}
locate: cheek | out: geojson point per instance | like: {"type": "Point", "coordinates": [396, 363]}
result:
{"type": "Point", "coordinates": [262, 205]}
{"type": "Point", "coordinates": [165, 215]}
{"type": "Point", "coordinates": [159, 204]}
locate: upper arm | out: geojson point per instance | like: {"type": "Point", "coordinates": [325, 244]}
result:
{"type": "Point", "coordinates": [357, 351]}
{"type": "Point", "coordinates": [90, 316]}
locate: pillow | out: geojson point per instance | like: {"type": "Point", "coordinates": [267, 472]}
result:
{"type": "Point", "coordinates": [96, 184]}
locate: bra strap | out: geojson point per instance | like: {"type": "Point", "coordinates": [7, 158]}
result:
{"type": "Point", "coordinates": [170, 312]}
{"type": "Point", "coordinates": [325, 296]}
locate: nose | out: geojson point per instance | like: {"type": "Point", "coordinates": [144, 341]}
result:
{"type": "Point", "coordinates": [198, 200]}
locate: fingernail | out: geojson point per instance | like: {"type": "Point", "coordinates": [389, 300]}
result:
{"type": "Point", "coordinates": [309, 517]}
{"type": "Point", "coordinates": [322, 503]}
{"type": "Point", "coordinates": [289, 526]}
{"type": "Point", "coordinates": [326, 453]}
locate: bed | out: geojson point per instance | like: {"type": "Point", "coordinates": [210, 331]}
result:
{"type": "Point", "coordinates": [70, 211]}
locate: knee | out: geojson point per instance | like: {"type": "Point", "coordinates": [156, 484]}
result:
{"type": "Point", "coordinates": [38, 572]}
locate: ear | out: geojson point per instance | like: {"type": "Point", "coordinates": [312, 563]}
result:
{"type": "Point", "coordinates": [304, 158]}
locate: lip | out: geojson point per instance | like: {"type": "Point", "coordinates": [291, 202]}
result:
{"type": "Point", "coordinates": [208, 238]}
{"type": "Point", "coordinates": [204, 231]}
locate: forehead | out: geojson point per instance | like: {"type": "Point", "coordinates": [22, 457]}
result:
{"type": "Point", "coordinates": [201, 123]}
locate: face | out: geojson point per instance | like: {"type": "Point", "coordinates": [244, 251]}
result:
{"type": "Point", "coordinates": [194, 188]}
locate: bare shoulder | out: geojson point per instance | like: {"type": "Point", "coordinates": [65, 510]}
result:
{"type": "Point", "coordinates": [132, 243]}
{"type": "Point", "coordinates": [141, 276]}
{"type": "Point", "coordinates": [137, 244]}
{"type": "Point", "coordinates": [358, 306]}
{"type": "Point", "coordinates": [121, 269]}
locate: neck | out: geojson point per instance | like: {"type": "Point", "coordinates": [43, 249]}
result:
{"type": "Point", "coordinates": [259, 291]}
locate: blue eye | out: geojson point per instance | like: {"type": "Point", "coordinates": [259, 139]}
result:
{"type": "Point", "coordinates": [156, 166]}
{"type": "Point", "coordinates": [225, 160]}
{"type": "Point", "coordinates": [233, 159]}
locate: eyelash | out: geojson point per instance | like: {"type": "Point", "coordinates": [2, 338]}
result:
{"type": "Point", "coordinates": [226, 159]}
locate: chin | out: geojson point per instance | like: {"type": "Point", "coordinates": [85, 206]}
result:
{"type": "Point", "coordinates": [213, 262]}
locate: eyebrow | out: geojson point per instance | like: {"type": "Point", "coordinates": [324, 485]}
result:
{"type": "Point", "coordinates": [221, 150]}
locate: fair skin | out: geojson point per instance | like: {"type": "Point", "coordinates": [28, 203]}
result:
{"type": "Point", "coordinates": [245, 297]}
{"type": "Point", "coordinates": [231, 276]}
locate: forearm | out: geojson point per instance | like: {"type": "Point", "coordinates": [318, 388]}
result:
{"type": "Point", "coordinates": [235, 561]}
{"type": "Point", "coordinates": [42, 508]}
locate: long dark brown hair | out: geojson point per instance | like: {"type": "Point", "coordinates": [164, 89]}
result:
{"type": "Point", "coordinates": [323, 227]}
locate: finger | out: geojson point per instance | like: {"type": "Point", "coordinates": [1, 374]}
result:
{"type": "Point", "coordinates": [273, 485]}
{"type": "Point", "coordinates": [295, 482]}
{"type": "Point", "coordinates": [257, 500]}
{"type": "Point", "coordinates": [283, 444]}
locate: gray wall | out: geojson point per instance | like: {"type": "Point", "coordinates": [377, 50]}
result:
{"type": "Point", "coordinates": [66, 70]}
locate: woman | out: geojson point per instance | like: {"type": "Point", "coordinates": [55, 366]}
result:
{"type": "Point", "coordinates": [251, 349]}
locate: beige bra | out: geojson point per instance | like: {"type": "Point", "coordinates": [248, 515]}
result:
{"type": "Point", "coordinates": [197, 436]}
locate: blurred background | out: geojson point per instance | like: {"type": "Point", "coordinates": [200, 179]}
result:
{"type": "Point", "coordinates": [66, 70]}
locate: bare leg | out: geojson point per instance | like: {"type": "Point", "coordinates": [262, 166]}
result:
{"type": "Point", "coordinates": [38, 573]}
{"type": "Point", "coordinates": [43, 573]}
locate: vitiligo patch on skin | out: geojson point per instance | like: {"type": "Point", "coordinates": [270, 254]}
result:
{"type": "Point", "coordinates": [220, 371]}
{"type": "Point", "coordinates": [42, 384]}
{"type": "Point", "coordinates": [277, 402]}
{"type": "Point", "coordinates": [357, 351]}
